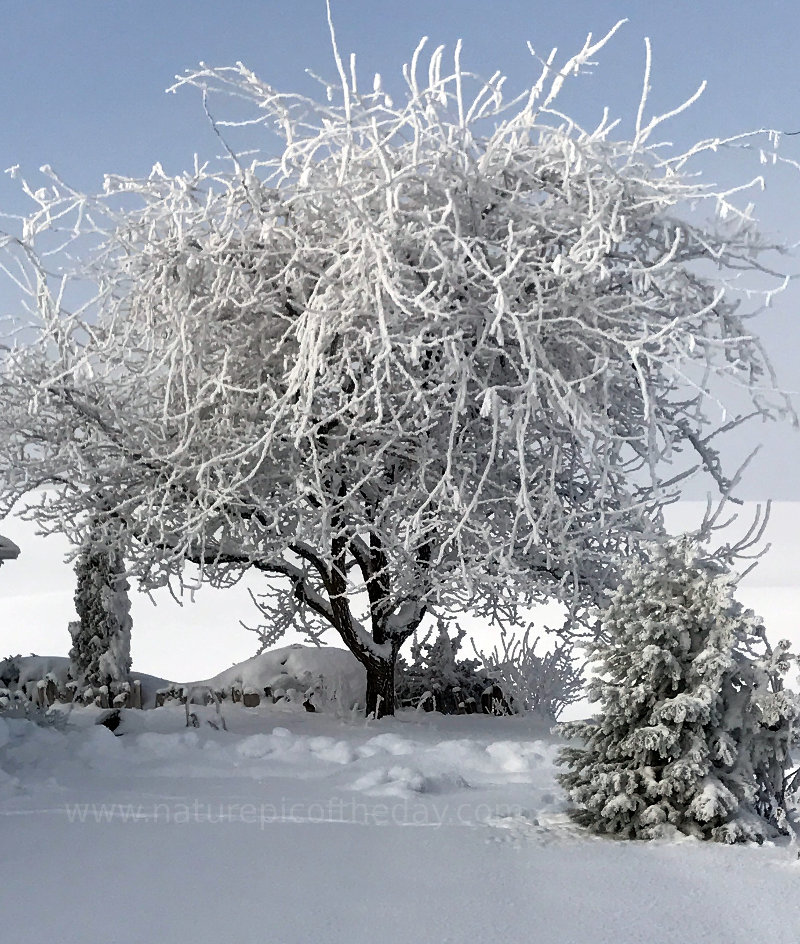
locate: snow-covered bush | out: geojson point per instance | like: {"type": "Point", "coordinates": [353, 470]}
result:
{"type": "Point", "coordinates": [10, 669]}
{"type": "Point", "coordinates": [694, 726]}
{"type": "Point", "coordinates": [100, 656]}
{"type": "Point", "coordinates": [435, 679]}
{"type": "Point", "coordinates": [544, 683]}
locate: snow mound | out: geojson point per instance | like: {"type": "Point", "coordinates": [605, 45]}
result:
{"type": "Point", "coordinates": [386, 744]}
{"type": "Point", "coordinates": [323, 676]}
{"type": "Point", "coordinates": [296, 676]}
{"type": "Point", "coordinates": [406, 781]}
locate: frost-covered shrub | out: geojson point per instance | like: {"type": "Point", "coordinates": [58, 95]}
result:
{"type": "Point", "coordinates": [101, 639]}
{"type": "Point", "coordinates": [10, 671]}
{"type": "Point", "coordinates": [544, 683]}
{"type": "Point", "coordinates": [694, 725]}
{"type": "Point", "coordinates": [436, 680]}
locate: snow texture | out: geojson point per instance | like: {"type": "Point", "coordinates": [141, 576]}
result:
{"type": "Point", "coordinates": [294, 827]}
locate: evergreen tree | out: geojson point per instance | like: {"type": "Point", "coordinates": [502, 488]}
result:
{"type": "Point", "coordinates": [695, 725]}
{"type": "Point", "coordinates": [101, 638]}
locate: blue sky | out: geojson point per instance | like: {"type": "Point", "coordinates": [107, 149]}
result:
{"type": "Point", "coordinates": [83, 89]}
{"type": "Point", "coordinates": [82, 81]}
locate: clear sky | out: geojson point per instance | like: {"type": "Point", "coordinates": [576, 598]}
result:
{"type": "Point", "coordinates": [82, 81]}
{"type": "Point", "coordinates": [82, 88]}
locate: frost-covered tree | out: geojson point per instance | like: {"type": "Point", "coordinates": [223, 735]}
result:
{"type": "Point", "coordinates": [694, 724]}
{"type": "Point", "coordinates": [101, 636]}
{"type": "Point", "coordinates": [438, 351]}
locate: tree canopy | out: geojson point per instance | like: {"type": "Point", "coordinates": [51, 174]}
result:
{"type": "Point", "coordinates": [452, 351]}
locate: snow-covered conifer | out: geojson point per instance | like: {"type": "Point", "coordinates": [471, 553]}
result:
{"type": "Point", "coordinates": [694, 725]}
{"type": "Point", "coordinates": [101, 637]}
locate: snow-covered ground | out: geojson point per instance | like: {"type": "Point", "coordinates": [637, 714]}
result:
{"type": "Point", "coordinates": [292, 828]}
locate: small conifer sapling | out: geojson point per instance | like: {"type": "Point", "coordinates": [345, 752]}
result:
{"type": "Point", "coordinates": [695, 725]}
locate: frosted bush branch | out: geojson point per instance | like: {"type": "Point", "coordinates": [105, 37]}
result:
{"type": "Point", "coordinates": [544, 683]}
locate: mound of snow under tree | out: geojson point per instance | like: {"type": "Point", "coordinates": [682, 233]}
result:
{"type": "Point", "coordinates": [320, 677]}
{"type": "Point", "coordinates": [293, 827]}
{"type": "Point", "coordinates": [311, 678]}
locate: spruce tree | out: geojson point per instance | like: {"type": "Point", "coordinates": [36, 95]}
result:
{"type": "Point", "coordinates": [101, 637]}
{"type": "Point", "coordinates": [694, 725]}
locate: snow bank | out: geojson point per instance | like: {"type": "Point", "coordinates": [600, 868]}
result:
{"type": "Point", "coordinates": [319, 678]}
{"type": "Point", "coordinates": [323, 675]}
{"type": "Point", "coordinates": [417, 828]}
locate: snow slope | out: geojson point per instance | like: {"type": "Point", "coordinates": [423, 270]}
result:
{"type": "Point", "coordinates": [326, 675]}
{"type": "Point", "coordinates": [293, 828]}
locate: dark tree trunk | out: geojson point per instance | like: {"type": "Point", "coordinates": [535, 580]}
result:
{"type": "Point", "coordinates": [380, 687]}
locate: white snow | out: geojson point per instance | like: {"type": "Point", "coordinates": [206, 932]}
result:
{"type": "Point", "coordinates": [326, 676]}
{"type": "Point", "coordinates": [294, 827]}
